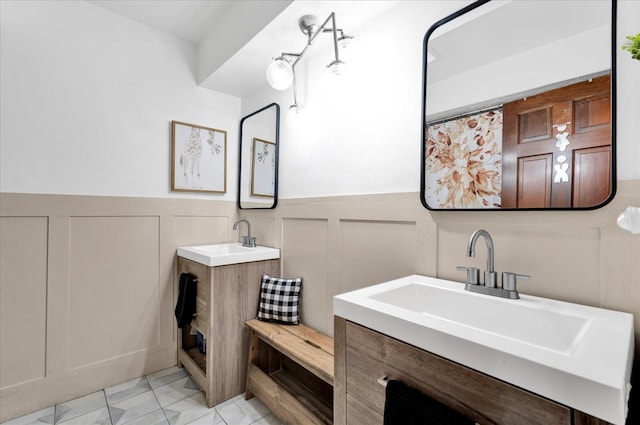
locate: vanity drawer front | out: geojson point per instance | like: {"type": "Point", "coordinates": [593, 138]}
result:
{"type": "Point", "coordinates": [480, 397]}
{"type": "Point", "coordinates": [363, 372]}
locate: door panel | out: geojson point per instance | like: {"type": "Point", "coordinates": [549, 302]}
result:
{"type": "Point", "coordinates": [591, 182]}
{"type": "Point", "coordinates": [535, 125]}
{"type": "Point", "coordinates": [534, 182]}
{"type": "Point", "coordinates": [592, 112]}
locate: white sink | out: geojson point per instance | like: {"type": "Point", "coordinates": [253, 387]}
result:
{"type": "Point", "coordinates": [527, 323]}
{"type": "Point", "coordinates": [227, 253]}
{"type": "Point", "coordinates": [579, 356]}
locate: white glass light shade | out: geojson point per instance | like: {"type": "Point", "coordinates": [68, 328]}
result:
{"type": "Point", "coordinates": [295, 116]}
{"type": "Point", "coordinates": [336, 67]}
{"type": "Point", "coordinates": [344, 41]}
{"type": "Point", "coordinates": [280, 74]}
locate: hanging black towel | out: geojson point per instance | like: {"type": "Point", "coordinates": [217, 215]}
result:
{"type": "Point", "coordinates": [407, 406]}
{"type": "Point", "coordinates": [186, 305]}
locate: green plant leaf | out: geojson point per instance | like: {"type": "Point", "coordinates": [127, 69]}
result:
{"type": "Point", "coordinates": [633, 46]}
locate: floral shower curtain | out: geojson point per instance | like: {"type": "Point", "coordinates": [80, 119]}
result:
{"type": "Point", "coordinates": [464, 162]}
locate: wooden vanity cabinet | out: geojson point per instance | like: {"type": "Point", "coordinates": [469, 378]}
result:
{"type": "Point", "coordinates": [227, 297]}
{"type": "Point", "coordinates": [363, 356]}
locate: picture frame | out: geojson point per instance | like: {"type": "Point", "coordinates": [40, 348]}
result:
{"type": "Point", "coordinates": [263, 168]}
{"type": "Point", "coordinates": [198, 158]}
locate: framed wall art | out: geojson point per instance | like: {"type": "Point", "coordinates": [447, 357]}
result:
{"type": "Point", "coordinates": [198, 158]}
{"type": "Point", "coordinates": [264, 166]}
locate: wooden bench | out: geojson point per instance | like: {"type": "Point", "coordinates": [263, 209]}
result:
{"type": "Point", "coordinates": [290, 370]}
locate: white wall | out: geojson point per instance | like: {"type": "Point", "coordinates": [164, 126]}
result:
{"type": "Point", "coordinates": [366, 139]}
{"type": "Point", "coordinates": [88, 98]}
{"type": "Point", "coordinates": [91, 115]}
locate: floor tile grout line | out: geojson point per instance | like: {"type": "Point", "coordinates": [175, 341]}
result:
{"type": "Point", "coordinates": [153, 390]}
{"type": "Point", "coordinates": [58, 421]}
{"type": "Point", "coordinates": [177, 401]}
{"type": "Point", "coordinates": [199, 417]}
{"type": "Point", "coordinates": [107, 405]}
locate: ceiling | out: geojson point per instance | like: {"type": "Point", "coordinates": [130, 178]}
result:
{"type": "Point", "coordinates": [242, 70]}
{"type": "Point", "coordinates": [187, 19]}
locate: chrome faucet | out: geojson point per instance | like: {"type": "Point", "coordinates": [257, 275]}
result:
{"type": "Point", "coordinates": [490, 285]}
{"type": "Point", "coordinates": [248, 240]}
{"type": "Point", "coordinates": [490, 278]}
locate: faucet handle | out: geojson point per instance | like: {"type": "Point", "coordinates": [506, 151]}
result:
{"type": "Point", "coordinates": [473, 274]}
{"type": "Point", "coordinates": [509, 280]}
{"type": "Point", "coordinates": [249, 241]}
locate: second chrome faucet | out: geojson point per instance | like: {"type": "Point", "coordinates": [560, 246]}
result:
{"type": "Point", "coordinates": [490, 284]}
{"type": "Point", "coordinates": [248, 241]}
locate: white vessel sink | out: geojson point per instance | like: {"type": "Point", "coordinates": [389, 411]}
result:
{"type": "Point", "coordinates": [227, 253]}
{"type": "Point", "coordinates": [577, 355]}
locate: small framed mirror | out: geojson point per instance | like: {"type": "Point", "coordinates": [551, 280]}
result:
{"type": "Point", "coordinates": [519, 106]}
{"type": "Point", "coordinates": [258, 168]}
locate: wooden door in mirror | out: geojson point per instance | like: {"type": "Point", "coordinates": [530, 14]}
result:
{"type": "Point", "coordinates": [557, 147]}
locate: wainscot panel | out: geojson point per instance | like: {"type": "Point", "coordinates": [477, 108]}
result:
{"type": "Point", "coordinates": [88, 285]}
{"type": "Point", "coordinates": [23, 296]}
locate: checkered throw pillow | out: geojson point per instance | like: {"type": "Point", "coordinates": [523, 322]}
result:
{"type": "Point", "coordinates": [280, 300]}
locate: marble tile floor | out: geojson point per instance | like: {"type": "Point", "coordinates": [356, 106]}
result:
{"type": "Point", "coordinates": [168, 397]}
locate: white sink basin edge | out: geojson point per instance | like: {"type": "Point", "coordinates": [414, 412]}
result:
{"type": "Point", "coordinates": [589, 369]}
{"type": "Point", "coordinates": [227, 253]}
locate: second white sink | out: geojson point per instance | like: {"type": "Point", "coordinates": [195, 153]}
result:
{"type": "Point", "coordinates": [577, 355]}
{"type": "Point", "coordinates": [227, 253]}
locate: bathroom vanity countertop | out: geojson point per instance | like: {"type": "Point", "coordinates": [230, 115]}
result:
{"type": "Point", "coordinates": [577, 355]}
{"type": "Point", "coordinates": [227, 253]}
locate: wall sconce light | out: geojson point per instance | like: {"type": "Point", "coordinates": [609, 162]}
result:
{"type": "Point", "coordinates": [281, 73]}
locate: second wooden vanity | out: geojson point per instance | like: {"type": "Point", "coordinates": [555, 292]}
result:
{"type": "Point", "coordinates": [227, 297]}
{"type": "Point", "coordinates": [363, 356]}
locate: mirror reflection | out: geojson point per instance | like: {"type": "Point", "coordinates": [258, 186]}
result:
{"type": "Point", "coordinates": [518, 107]}
{"type": "Point", "coordinates": [258, 169]}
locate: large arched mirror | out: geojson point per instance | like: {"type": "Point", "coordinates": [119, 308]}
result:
{"type": "Point", "coordinates": [519, 106]}
{"type": "Point", "coordinates": [258, 169]}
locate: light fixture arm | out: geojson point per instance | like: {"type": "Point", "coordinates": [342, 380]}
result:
{"type": "Point", "coordinates": [309, 26]}
{"type": "Point", "coordinates": [335, 38]}
{"type": "Point", "coordinates": [312, 36]}
{"type": "Point", "coordinates": [295, 90]}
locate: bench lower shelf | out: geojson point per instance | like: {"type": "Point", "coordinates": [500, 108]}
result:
{"type": "Point", "coordinates": [290, 370]}
{"type": "Point", "coordinates": [283, 393]}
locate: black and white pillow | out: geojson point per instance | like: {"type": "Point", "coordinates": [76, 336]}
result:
{"type": "Point", "coordinates": [280, 300]}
